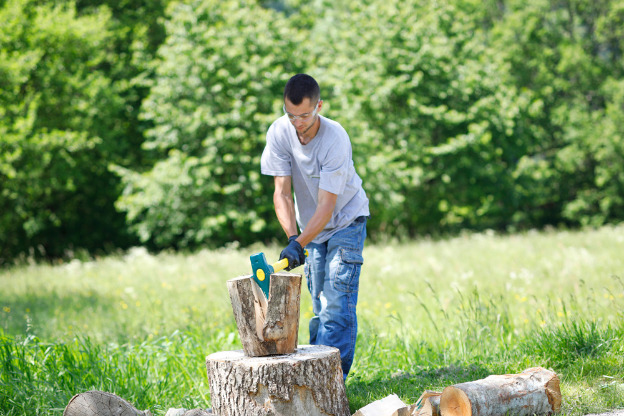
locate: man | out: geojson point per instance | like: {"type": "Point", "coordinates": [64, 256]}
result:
{"type": "Point", "coordinates": [312, 154]}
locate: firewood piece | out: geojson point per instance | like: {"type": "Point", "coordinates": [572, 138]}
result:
{"type": "Point", "coordinates": [192, 412]}
{"type": "Point", "coordinates": [535, 391]}
{"type": "Point", "coordinates": [267, 327]}
{"type": "Point", "coordinates": [427, 405]}
{"type": "Point", "coordinates": [307, 382]}
{"type": "Point", "coordinates": [100, 403]}
{"type": "Point", "coordinates": [388, 406]}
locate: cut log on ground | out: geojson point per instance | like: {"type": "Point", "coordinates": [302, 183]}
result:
{"type": "Point", "coordinates": [100, 403]}
{"type": "Point", "coordinates": [307, 382]}
{"type": "Point", "coordinates": [267, 328]}
{"type": "Point", "coordinates": [533, 392]}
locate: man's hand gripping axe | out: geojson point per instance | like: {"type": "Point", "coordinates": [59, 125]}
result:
{"type": "Point", "coordinates": [262, 270]}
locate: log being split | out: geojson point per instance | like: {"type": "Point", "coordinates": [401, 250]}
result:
{"type": "Point", "coordinates": [533, 392]}
{"type": "Point", "coordinates": [267, 328]}
{"type": "Point", "coordinates": [307, 382]}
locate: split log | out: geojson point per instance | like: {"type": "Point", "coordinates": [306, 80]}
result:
{"type": "Point", "coordinates": [193, 412]}
{"type": "Point", "coordinates": [267, 327]}
{"type": "Point", "coordinates": [533, 392]}
{"type": "Point", "coordinates": [388, 406]}
{"type": "Point", "coordinates": [427, 405]}
{"type": "Point", "coordinates": [99, 403]}
{"type": "Point", "coordinates": [307, 382]}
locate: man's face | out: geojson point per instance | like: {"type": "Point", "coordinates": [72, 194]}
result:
{"type": "Point", "coordinates": [302, 116]}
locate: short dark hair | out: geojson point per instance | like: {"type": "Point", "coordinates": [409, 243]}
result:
{"type": "Point", "coordinates": [301, 86]}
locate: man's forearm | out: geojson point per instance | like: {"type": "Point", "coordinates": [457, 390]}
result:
{"type": "Point", "coordinates": [322, 215]}
{"type": "Point", "coordinates": [285, 211]}
{"type": "Point", "coordinates": [316, 224]}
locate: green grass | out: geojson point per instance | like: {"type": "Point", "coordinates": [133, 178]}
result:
{"type": "Point", "coordinates": [431, 313]}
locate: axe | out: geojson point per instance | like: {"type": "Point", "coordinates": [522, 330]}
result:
{"type": "Point", "coordinates": [262, 270]}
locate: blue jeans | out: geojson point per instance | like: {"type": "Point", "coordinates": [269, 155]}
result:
{"type": "Point", "coordinates": [333, 272]}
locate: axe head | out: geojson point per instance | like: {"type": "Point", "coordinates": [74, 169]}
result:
{"type": "Point", "coordinates": [261, 272]}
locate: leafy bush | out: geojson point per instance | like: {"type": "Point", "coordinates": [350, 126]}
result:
{"type": "Point", "coordinates": [218, 85]}
{"type": "Point", "coordinates": [122, 120]}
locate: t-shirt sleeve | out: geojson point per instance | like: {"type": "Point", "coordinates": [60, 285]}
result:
{"type": "Point", "coordinates": [275, 160]}
{"type": "Point", "coordinates": [335, 167]}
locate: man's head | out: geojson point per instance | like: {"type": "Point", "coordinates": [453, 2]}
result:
{"type": "Point", "coordinates": [302, 102]}
{"type": "Point", "coordinates": [301, 86]}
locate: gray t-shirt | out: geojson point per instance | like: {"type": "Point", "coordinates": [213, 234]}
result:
{"type": "Point", "coordinates": [326, 163]}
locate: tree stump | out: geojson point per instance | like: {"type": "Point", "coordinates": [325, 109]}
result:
{"type": "Point", "coordinates": [307, 382]}
{"type": "Point", "coordinates": [100, 403]}
{"type": "Point", "coordinates": [533, 392]}
{"type": "Point", "coordinates": [267, 327]}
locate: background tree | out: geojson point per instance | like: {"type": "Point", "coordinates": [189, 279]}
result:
{"type": "Point", "coordinates": [218, 85]}
{"type": "Point", "coordinates": [122, 123]}
{"type": "Point", "coordinates": [68, 107]}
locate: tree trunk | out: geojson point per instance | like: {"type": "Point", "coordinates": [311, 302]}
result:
{"type": "Point", "coordinates": [307, 382]}
{"type": "Point", "coordinates": [533, 392]}
{"type": "Point", "coordinates": [267, 328]}
{"type": "Point", "coordinates": [99, 403]}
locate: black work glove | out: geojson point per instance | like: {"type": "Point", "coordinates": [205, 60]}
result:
{"type": "Point", "coordinates": [294, 253]}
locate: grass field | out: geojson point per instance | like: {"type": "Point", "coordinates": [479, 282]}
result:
{"type": "Point", "coordinates": [431, 314]}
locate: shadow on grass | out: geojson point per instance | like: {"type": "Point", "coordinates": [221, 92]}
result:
{"type": "Point", "coordinates": [410, 385]}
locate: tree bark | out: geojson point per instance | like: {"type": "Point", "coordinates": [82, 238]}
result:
{"type": "Point", "coordinates": [533, 392]}
{"type": "Point", "coordinates": [99, 403]}
{"type": "Point", "coordinates": [267, 327]}
{"type": "Point", "coordinates": [307, 382]}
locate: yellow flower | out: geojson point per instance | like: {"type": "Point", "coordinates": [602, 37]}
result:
{"type": "Point", "coordinates": [7, 309]}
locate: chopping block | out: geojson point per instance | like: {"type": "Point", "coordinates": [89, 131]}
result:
{"type": "Point", "coordinates": [267, 326]}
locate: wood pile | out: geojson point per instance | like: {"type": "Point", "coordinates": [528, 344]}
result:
{"type": "Point", "coordinates": [535, 391]}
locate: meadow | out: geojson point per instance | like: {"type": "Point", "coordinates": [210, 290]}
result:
{"type": "Point", "coordinates": [432, 312]}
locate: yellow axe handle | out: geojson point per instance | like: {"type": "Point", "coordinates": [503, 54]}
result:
{"type": "Point", "coordinates": [283, 263]}
{"type": "Point", "coordinates": [280, 265]}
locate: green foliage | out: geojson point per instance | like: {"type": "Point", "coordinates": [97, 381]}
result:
{"type": "Point", "coordinates": [54, 190]}
{"type": "Point", "coordinates": [434, 126]}
{"type": "Point", "coordinates": [147, 119]}
{"type": "Point", "coordinates": [563, 54]}
{"type": "Point", "coordinates": [218, 86]}
{"type": "Point", "coordinates": [67, 99]}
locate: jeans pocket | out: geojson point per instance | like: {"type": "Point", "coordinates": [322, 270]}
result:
{"type": "Point", "coordinates": [348, 274]}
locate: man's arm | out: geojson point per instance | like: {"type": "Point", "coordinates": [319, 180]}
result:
{"type": "Point", "coordinates": [285, 205]}
{"type": "Point", "coordinates": [285, 210]}
{"type": "Point", "coordinates": [322, 215]}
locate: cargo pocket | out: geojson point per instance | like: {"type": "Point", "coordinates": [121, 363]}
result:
{"type": "Point", "coordinates": [348, 274]}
